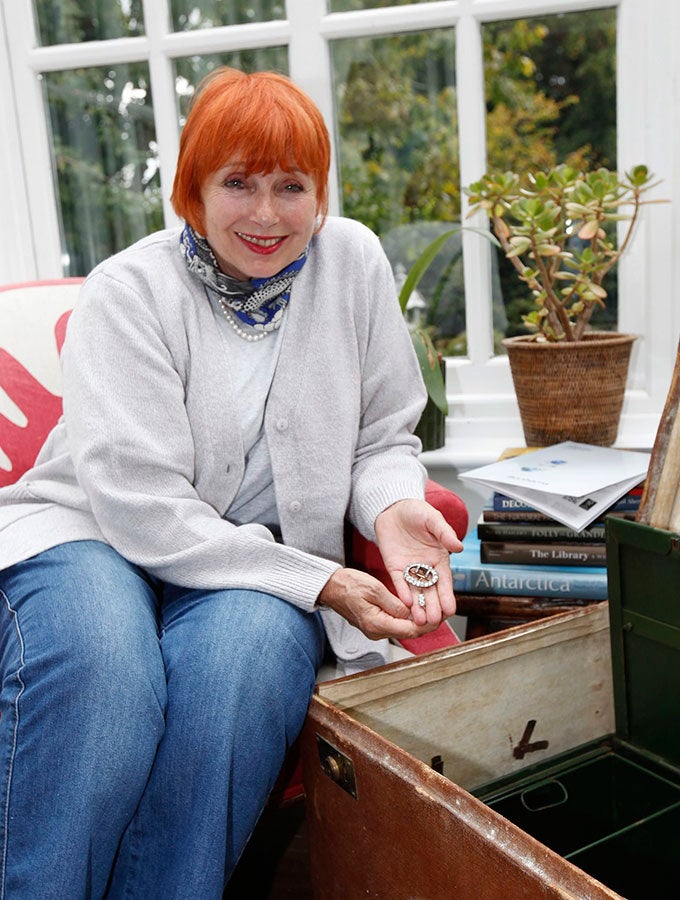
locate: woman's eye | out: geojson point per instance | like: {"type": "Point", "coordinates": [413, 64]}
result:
{"type": "Point", "coordinates": [293, 188]}
{"type": "Point", "coordinates": [233, 183]}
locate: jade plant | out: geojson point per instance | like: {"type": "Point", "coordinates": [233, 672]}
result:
{"type": "Point", "coordinates": [557, 228]}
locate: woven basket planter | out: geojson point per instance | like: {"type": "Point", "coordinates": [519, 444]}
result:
{"type": "Point", "coordinates": [570, 391]}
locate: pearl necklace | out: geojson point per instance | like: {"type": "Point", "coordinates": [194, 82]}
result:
{"type": "Point", "coordinates": [248, 335]}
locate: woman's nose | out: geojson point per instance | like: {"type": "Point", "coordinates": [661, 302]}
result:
{"type": "Point", "coordinates": [264, 210]}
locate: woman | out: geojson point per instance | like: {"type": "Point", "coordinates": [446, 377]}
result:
{"type": "Point", "coordinates": [173, 564]}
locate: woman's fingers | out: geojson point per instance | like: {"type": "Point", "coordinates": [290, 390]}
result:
{"type": "Point", "coordinates": [365, 602]}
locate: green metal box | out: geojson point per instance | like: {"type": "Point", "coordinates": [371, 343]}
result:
{"type": "Point", "coordinates": [612, 807]}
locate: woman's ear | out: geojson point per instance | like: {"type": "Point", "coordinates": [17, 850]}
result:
{"type": "Point", "coordinates": [321, 214]}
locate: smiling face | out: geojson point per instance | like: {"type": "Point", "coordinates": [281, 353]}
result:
{"type": "Point", "coordinates": [252, 169]}
{"type": "Point", "coordinates": [257, 224]}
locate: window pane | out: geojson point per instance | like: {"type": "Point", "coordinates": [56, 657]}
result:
{"type": "Point", "coordinates": [348, 5]}
{"type": "Point", "coordinates": [398, 154]}
{"type": "Point", "coordinates": [551, 98]}
{"type": "Point", "coordinates": [105, 160]}
{"type": "Point", "coordinates": [189, 71]}
{"type": "Point", "coordinates": [73, 21]}
{"type": "Point", "coordinates": [188, 15]}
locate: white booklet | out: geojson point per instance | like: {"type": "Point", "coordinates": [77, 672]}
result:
{"type": "Point", "coordinates": [572, 483]}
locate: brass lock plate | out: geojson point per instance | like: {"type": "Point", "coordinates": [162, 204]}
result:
{"type": "Point", "coordinates": [337, 765]}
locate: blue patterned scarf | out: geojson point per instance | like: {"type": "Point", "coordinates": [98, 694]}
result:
{"type": "Point", "coordinates": [256, 304]}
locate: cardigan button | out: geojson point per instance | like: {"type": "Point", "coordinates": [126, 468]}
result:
{"type": "Point", "coordinates": [281, 424]}
{"type": "Point", "coordinates": [295, 506]}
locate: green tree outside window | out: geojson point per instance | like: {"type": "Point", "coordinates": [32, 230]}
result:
{"type": "Point", "coordinates": [550, 95]}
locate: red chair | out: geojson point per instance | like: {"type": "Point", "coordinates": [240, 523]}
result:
{"type": "Point", "coordinates": [33, 317]}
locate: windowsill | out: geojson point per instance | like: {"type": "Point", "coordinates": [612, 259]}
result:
{"type": "Point", "coordinates": [466, 454]}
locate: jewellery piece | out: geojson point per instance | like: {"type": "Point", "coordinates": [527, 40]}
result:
{"type": "Point", "coordinates": [421, 600]}
{"type": "Point", "coordinates": [252, 335]}
{"type": "Point", "coordinates": [421, 575]}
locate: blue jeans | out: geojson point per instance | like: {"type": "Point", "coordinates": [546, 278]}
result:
{"type": "Point", "coordinates": [143, 725]}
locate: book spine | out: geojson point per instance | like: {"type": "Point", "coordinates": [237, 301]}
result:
{"type": "Point", "coordinates": [531, 581]}
{"type": "Point", "coordinates": [518, 515]}
{"type": "Point", "coordinates": [536, 531]}
{"type": "Point", "coordinates": [557, 554]}
{"type": "Point", "coordinates": [502, 503]}
{"type": "Point", "coordinates": [516, 605]}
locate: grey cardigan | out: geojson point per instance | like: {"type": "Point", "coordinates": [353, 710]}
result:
{"type": "Point", "coordinates": [148, 454]}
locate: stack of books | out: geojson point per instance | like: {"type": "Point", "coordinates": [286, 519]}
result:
{"type": "Point", "coordinates": [523, 560]}
{"type": "Point", "coordinates": [511, 531]}
{"type": "Point", "coordinates": [473, 575]}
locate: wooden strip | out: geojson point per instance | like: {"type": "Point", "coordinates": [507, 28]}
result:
{"type": "Point", "coordinates": [669, 480]}
{"type": "Point", "coordinates": [658, 457]}
{"type": "Point", "coordinates": [674, 521]}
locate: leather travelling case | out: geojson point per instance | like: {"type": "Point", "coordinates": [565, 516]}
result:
{"type": "Point", "coordinates": [539, 762]}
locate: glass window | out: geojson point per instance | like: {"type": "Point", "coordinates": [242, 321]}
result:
{"type": "Point", "coordinates": [551, 97]}
{"type": "Point", "coordinates": [350, 5]}
{"type": "Point", "coordinates": [105, 160]}
{"type": "Point", "coordinates": [73, 21]}
{"type": "Point", "coordinates": [188, 16]}
{"type": "Point", "coordinates": [189, 71]}
{"type": "Point", "coordinates": [551, 90]}
{"type": "Point", "coordinates": [398, 154]}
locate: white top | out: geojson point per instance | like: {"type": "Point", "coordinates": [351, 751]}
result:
{"type": "Point", "coordinates": [252, 366]}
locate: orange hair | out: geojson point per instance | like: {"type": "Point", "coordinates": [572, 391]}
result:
{"type": "Point", "coordinates": [261, 119]}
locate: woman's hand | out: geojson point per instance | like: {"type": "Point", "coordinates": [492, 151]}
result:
{"type": "Point", "coordinates": [365, 602]}
{"type": "Point", "coordinates": [413, 531]}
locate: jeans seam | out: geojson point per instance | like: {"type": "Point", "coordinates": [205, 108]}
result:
{"type": "Point", "coordinates": [10, 770]}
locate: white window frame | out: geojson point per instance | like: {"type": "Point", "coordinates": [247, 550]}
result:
{"type": "Point", "coordinates": [483, 413]}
